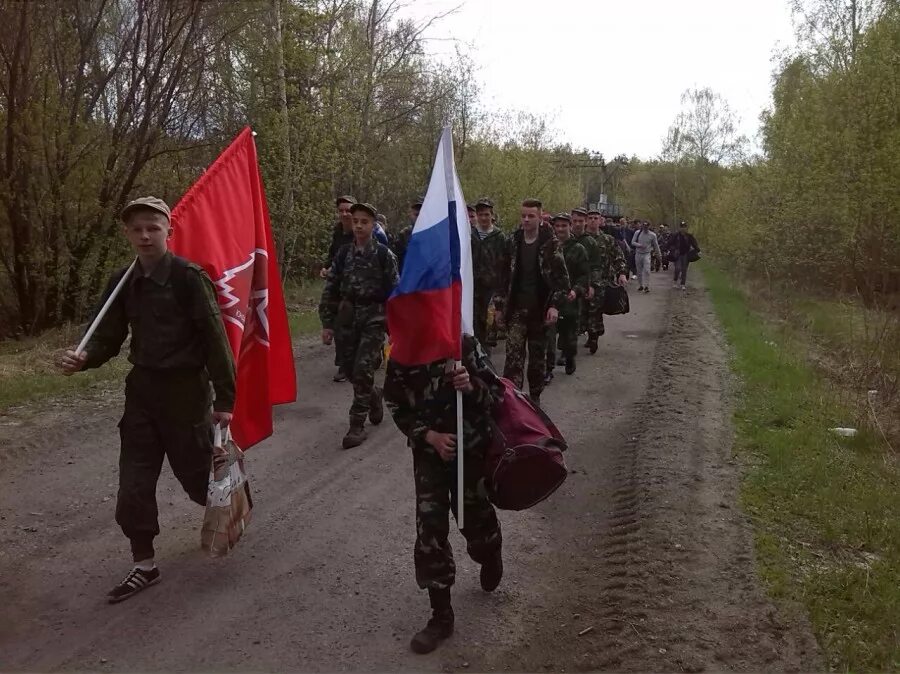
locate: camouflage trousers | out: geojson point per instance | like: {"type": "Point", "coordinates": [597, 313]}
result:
{"type": "Point", "coordinates": [435, 500]}
{"type": "Point", "coordinates": [525, 330]}
{"type": "Point", "coordinates": [361, 352]}
{"type": "Point", "coordinates": [480, 316]}
{"type": "Point", "coordinates": [592, 314]}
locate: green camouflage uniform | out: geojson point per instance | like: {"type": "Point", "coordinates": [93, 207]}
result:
{"type": "Point", "coordinates": [400, 243]}
{"type": "Point", "coordinates": [525, 324]}
{"type": "Point", "coordinates": [358, 285]}
{"type": "Point", "coordinates": [612, 260]}
{"type": "Point", "coordinates": [178, 346]}
{"type": "Point", "coordinates": [566, 329]}
{"type": "Point", "coordinates": [420, 398]}
{"type": "Point", "coordinates": [592, 310]}
{"type": "Point", "coordinates": [488, 262]}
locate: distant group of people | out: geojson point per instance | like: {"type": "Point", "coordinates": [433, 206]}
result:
{"type": "Point", "coordinates": [542, 285]}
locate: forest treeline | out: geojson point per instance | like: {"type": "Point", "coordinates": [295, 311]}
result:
{"type": "Point", "coordinates": [104, 100]}
{"type": "Point", "coordinates": [818, 208]}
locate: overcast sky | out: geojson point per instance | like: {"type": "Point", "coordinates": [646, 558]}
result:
{"type": "Point", "coordinates": [610, 73]}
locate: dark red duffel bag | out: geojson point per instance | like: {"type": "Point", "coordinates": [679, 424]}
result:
{"type": "Point", "coordinates": [524, 463]}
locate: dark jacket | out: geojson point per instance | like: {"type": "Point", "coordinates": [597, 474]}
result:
{"type": "Point", "coordinates": [338, 238]}
{"type": "Point", "coordinates": [489, 261]}
{"type": "Point", "coordinates": [682, 243]}
{"type": "Point", "coordinates": [175, 323]}
{"type": "Point", "coordinates": [553, 282]}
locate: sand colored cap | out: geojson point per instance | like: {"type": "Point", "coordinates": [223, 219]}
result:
{"type": "Point", "coordinates": [147, 202]}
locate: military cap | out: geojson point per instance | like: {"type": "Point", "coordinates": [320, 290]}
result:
{"type": "Point", "coordinates": [418, 201]}
{"type": "Point", "coordinates": [152, 203]}
{"type": "Point", "coordinates": [470, 207]}
{"type": "Point", "coordinates": [561, 216]}
{"type": "Point", "coordinates": [368, 208]}
{"type": "Point", "coordinates": [594, 211]}
{"type": "Point", "coordinates": [345, 199]}
{"type": "Point", "coordinates": [484, 203]}
{"type": "Point", "coordinates": [579, 211]}
{"type": "Point", "coordinates": [381, 218]}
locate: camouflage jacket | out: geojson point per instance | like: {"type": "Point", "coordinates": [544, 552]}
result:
{"type": "Point", "coordinates": [592, 247]}
{"type": "Point", "coordinates": [400, 243]}
{"type": "Point", "coordinates": [363, 277]}
{"type": "Point", "coordinates": [612, 259]}
{"type": "Point", "coordinates": [553, 284]}
{"type": "Point", "coordinates": [489, 261]}
{"type": "Point", "coordinates": [422, 398]}
{"type": "Point", "coordinates": [579, 268]}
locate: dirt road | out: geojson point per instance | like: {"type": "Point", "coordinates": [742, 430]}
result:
{"type": "Point", "coordinates": [643, 551]}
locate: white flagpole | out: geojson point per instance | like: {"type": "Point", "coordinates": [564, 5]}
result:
{"type": "Point", "coordinates": [450, 182]}
{"type": "Point", "coordinates": [104, 309]}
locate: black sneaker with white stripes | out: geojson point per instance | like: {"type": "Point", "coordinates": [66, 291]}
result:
{"type": "Point", "coordinates": [135, 581]}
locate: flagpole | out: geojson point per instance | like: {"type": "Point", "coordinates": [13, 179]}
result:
{"type": "Point", "coordinates": [449, 181]}
{"type": "Point", "coordinates": [106, 305]}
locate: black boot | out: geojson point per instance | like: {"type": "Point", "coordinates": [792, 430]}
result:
{"type": "Point", "coordinates": [592, 345]}
{"type": "Point", "coordinates": [492, 572]}
{"type": "Point", "coordinates": [439, 627]}
{"type": "Point", "coordinates": [570, 364]}
{"type": "Point", "coordinates": [376, 406]}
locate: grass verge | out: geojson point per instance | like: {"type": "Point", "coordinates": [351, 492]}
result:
{"type": "Point", "coordinates": [826, 509]}
{"type": "Point", "coordinates": [28, 371]}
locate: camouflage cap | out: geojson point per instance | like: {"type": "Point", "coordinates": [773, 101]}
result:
{"type": "Point", "coordinates": [152, 203]}
{"type": "Point", "coordinates": [561, 216]}
{"type": "Point", "coordinates": [484, 202]}
{"type": "Point", "coordinates": [368, 208]}
{"type": "Point", "coordinates": [579, 211]}
{"type": "Point", "coordinates": [345, 199]}
{"type": "Point", "coordinates": [381, 218]}
{"type": "Point", "coordinates": [593, 211]}
{"type": "Point", "coordinates": [470, 208]}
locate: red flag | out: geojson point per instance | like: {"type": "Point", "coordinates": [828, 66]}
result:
{"type": "Point", "coordinates": [222, 224]}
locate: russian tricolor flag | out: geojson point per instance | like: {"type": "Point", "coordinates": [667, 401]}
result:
{"type": "Point", "coordinates": [431, 307]}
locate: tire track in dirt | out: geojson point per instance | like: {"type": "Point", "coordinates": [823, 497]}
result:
{"type": "Point", "coordinates": [681, 583]}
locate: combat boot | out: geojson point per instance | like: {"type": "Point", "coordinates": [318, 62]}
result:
{"type": "Point", "coordinates": [592, 345]}
{"type": "Point", "coordinates": [355, 436]}
{"type": "Point", "coordinates": [492, 572]}
{"type": "Point", "coordinates": [376, 406]}
{"type": "Point", "coordinates": [439, 627]}
{"type": "Point", "coordinates": [570, 364]}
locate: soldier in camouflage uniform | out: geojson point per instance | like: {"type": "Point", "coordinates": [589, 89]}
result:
{"type": "Point", "coordinates": [578, 266]}
{"type": "Point", "coordinates": [613, 268]}
{"type": "Point", "coordinates": [592, 306]}
{"type": "Point", "coordinates": [341, 233]}
{"type": "Point", "coordinates": [422, 401]}
{"type": "Point", "coordinates": [536, 286]}
{"type": "Point", "coordinates": [489, 250]}
{"type": "Point", "coordinates": [401, 241]}
{"type": "Point", "coordinates": [178, 347]}
{"type": "Point", "coordinates": [359, 283]}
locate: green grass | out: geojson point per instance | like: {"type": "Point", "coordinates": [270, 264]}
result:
{"type": "Point", "coordinates": [826, 509]}
{"type": "Point", "coordinates": [302, 302]}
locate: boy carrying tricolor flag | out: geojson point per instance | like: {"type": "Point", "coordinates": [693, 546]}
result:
{"type": "Point", "coordinates": [440, 391]}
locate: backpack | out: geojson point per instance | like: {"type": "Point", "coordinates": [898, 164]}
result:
{"type": "Point", "coordinates": [524, 463]}
{"type": "Point", "coordinates": [615, 301]}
